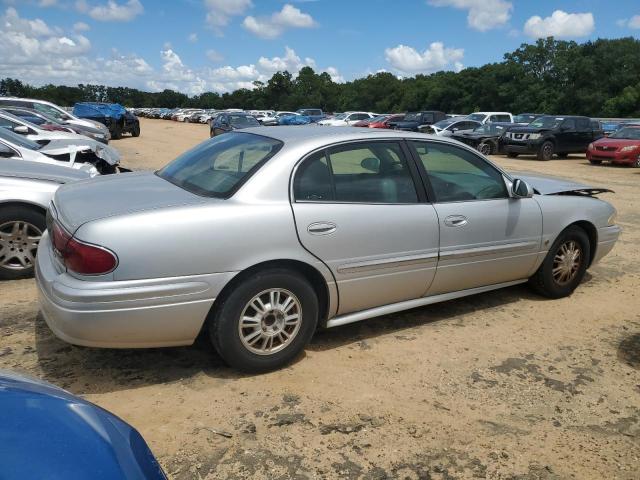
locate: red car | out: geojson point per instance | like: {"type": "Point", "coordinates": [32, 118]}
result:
{"type": "Point", "coordinates": [384, 122]}
{"type": "Point", "coordinates": [621, 147]}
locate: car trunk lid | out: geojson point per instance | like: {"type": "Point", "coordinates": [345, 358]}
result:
{"type": "Point", "coordinates": [112, 195]}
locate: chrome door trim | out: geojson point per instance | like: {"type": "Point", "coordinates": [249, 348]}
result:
{"type": "Point", "coordinates": [477, 251]}
{"type": "Point", "coordinates": [419, 302]}
{"type": "Point", "coordinates": [388, 263]}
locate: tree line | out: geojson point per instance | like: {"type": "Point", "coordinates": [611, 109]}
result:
{"type": "Point", "coordinates": [595, 78]}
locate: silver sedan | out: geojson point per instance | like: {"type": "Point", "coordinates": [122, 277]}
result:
{"type": "Point", "coordinates": [259, 238]}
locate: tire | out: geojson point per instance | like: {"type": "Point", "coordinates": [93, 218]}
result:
{"type": "Point", "coordinates": [485, 148]}
{"type": "Point", "coordinates": [135, 131]}
{"type": "Point", "coordinates": [16, 261]}
{"type": "Point", "coordinates": [554, 286]}
{"type": "Point", "coordinates": [512, 155]}
{"type": "Point", "coordinates": [636, 164]}
{"type": "Point", "coordinates": [546, 151]}
{"type": "Point", "coordinates": [595, 162]}
{"type": "Point", "coordinates": [239, 346]}
{"type": "Point", "coordinates": [116, 134]}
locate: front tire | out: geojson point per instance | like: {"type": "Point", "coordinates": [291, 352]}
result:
{"type": "Point", "coordinates": [265, 321]}
{"type": "Point", "coordinates": [486, 148]}
{"type": "Point", "coordinates": [546, 151]}
{"type": "Point", "coordinates": [565, 264]}
{"type": "Point", "coordinates": [21, 229]}
{"type": "Point", "coordinates": [136, 130]}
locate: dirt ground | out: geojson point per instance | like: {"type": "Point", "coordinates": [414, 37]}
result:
{"type": "Point", "coordinates": [501, 385]}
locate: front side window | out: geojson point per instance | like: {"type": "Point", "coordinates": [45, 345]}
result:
{"type": "Point", "coordinates": [217, 167]}
{"type": "Point", "coordinates": [457, 175]}
{"type": "Point", "coordinates": [372, 172]}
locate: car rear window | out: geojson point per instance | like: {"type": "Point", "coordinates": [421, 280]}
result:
{"type": "Point", "coordinates": [218, 167]}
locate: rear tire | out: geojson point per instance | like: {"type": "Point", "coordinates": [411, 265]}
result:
{"type": "Point", "coordinates": [512, 154]}
{"type": "Point", "coordinates": [135, 131]}
{"type": "Point", "coordinates": [18, 244]}
{"type": "Point", "coordinates": [636, 164]}
{"type": "Point", "coordinates": [241, 333]}
{"type": "Point", "coordinates": [546, 151]}
{"type": "Point", "coordinates": [565, 264]}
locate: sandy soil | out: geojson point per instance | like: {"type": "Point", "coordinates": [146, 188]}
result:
{"type": "Point", "coordinates": [501, 385]}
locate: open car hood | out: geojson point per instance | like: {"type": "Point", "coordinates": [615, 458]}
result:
{"type": "Point", "coordinates": [71, 147]}
{"type": "Point", "coordinates": [546, 185]}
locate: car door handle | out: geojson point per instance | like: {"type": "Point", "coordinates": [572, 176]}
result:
{"type": "Point", "coordinates": [321, 228]}
{"type": "Point", "coordinates": [455, 221]}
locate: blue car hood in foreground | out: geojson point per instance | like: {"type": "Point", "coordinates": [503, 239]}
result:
{"type": "Point", "coordinates": [45, 432]}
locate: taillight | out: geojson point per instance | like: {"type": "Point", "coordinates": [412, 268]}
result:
{"type": "Point", "coordinates": [81, 257]}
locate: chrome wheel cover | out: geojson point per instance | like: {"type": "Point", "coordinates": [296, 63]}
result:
{"type": "Point", "coordinates": [18, 245]}
{"type": "Point", "coordinates": [485, 148]}
{"type": "Point", "coordinates": [270, 321]}
{"type": "Point", "coordinates": [566, 262]}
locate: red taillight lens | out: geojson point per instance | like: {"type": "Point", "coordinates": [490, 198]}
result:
{"type": "Point", "coordinates": [81, 257]}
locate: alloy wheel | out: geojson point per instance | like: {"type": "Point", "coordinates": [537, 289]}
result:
{"type": "Point", "coordinates": [547, 151]}
{"type": "Point", "coordinates": [18, 245]}
{"type": "Point", "coordinates": [270, 321]}
{"type": "Point", "coordinates": [567, 262]}
{"type": "Point", "coordinates": [485, 148]}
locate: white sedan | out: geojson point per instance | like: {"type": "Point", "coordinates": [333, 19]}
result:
{"type": "Point", "coordinates": [346, 119]}
{"type": "Point", "coordinates": [446, 128]}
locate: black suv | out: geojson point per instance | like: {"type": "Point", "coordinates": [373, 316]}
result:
{"type": "Point", "coordinates": [415, 121]}
{"type": "Point", "coordinates": [549, 135]}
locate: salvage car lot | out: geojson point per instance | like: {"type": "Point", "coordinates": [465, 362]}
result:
{"type": "Point", "coordinates": [497, 385]}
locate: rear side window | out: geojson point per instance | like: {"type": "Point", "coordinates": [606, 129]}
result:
{"type": "Point", "coordinates": [501, 118]}
{"type": "Point", "coordinates": [371, 172]}
{"type": "Point", "coordinates": [218, 167]}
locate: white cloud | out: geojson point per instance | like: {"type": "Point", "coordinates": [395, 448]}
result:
{"type": "Point", "coordinates": [214, 56]}
{"type": "Point", "coordinates": [560, 25]}
{"type": "Point", "coordinates": [193, 37]}
{"type": "Point", "coordinates": [633, 22]}
{"type": "Point", "coordinates": [335, 75]}
{"type": "Point", "coordinates": [483, 14]}
{"type": "Point", "coordinates": [111, 11]}
{"type": "Point", "coordinates": [47, 3]}
{"type": "Point", "coordinates": [81, 27]}
{"type": "Point", "coordinates": [273, 26]}
{"type": "Point", "coordinates": [219, 12]}
{"type": "Point", "coordinates": [437, 57]}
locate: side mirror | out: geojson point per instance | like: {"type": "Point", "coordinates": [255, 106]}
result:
{"type": "Point", "coordinates": [521, 189]}
{"type": "Point", "coordinates": [372, 164]}
{"type": "Point", "coordinates": [21, 129]}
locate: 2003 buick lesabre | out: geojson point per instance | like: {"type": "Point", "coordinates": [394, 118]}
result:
{"type": "Point", "coordinates": [258, 240]}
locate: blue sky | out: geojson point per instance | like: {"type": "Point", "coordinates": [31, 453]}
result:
{"type": "Point", "coordinates": [201, 45]}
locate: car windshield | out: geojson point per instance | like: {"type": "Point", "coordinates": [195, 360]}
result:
{"type": "Point", "coordinates": [379, 118]}
{"type": "Point", "coordinates": [479, 117]}
{"type": "Point", "coordinates": [629, 133]}
{"type": "Point", "coordinates": [217, 167]}
{"type": "Point", "coordinates": [546, 122]}
{"type": "Point", "coordinates": [243, 121]}
{"type": "Point", "coordinates": [524, 118]}
{"type": "Point", "coordinates": [18, 140]}
{"type": "Point", "coordinates": [445, 123]}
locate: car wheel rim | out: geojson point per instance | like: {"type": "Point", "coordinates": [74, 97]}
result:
{"type": "Point", "coordinates": [270, 321]}
{"type": "Point", "coordinates": [18, 245]}
{"type": "Point", "coordinates": [547, 151]}
{"type": "Point", "coordinates": [566, 262]}
{"type": "Point", "coordinates": [485, 149]}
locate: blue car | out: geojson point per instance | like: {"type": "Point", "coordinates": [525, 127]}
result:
{"type": "Point", "coordinates": [113, 115]}
{"type": "Point", "coordinates": [294, 120]}
{"type": "Point", "coordinates": [45, 432]}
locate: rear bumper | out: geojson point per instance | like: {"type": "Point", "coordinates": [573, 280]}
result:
{"type": "Point", "coordinates": [124, 314]}
{"type": "Point", "coordinates": [607, 238]}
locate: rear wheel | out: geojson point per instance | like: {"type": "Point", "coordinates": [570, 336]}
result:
{"type": "Point", "coordinates": [135, 131]}
{"type": "Point", "coordinates": [546, 151]}
{"type": "Point", "coordinates": [265, 322]}
{"type": "Point", "coordinates": [20, 232]}
{"type": "Point", "coordinates": [564, 266]}
{"type": "Point", "coordinates": [636, 164]}
{"type": "Point", "coordinates": [512, 155]}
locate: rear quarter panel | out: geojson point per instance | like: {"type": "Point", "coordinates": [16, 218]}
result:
{"type": "Point", "coordinates": [32, 192]}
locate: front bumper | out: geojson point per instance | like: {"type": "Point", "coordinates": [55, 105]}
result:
{"type": "Point", "coordinates": [624, 158]}
{"type": "Point", "coordinates": [123, 314]}
{"type": "Point", "coordinates": [526, 147]}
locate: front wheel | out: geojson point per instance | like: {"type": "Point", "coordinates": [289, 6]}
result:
{"type": "Point", "coordinates": [265, 322]}
{"type": "Point", "coordinates": [136, 130]}
{"type": "Point", "coordinates": [485, 148]}
{"type": "Point", "coordinates": [546, 151]}
{"type": "Point", "coordinates": [564, 266]}
{"type": "Point", "coordinates": [20, 232]}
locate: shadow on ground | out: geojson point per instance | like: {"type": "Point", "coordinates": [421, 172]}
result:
{"type": "Point", "coordinates": [92, 370]}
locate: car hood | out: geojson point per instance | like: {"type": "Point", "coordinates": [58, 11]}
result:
{"type": "Point", "coordinates": [547, 185]}
{"type": "Point", "coordinates": [528, 130]}
{"type": "Point", "coordinates": [475, 135]}
{"type": "Point", "coordinates": [41, 171]}
{"type": "Point", "coordinates": [71, 146]}
{"type": "Point", "coordinates": [113, 195]}
{"type": "Point", "coordinates": [616, 142]}
{"type": "Point", "coordinates": [49, 433]}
